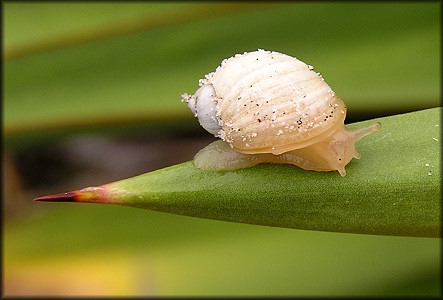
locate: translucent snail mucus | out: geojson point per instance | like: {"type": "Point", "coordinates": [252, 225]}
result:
{"type": "Point", "coordinates": [268, 107]}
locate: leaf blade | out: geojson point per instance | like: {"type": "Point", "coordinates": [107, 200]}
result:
{"type": "Point", "coordinates": [393, 190]}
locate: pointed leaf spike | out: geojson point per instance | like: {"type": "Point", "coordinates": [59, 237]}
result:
{"type": "Point", "coordinates": [62, 197]}
{"type": "Point", "coordinates": [89, 194]}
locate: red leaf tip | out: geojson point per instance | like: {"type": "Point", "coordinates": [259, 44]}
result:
{"type": "Point", "coordinates": [62, 197]}
{"type": "Point", "coordinates": [90, 194]}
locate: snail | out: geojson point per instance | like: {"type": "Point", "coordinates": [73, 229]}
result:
{"type": "Point", "coordinates": [269, 107]}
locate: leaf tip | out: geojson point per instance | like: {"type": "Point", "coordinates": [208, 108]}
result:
{"type": "Point", "coordinates": [90, 194]}
{"type": "Point", "coordinates": [61, 197]}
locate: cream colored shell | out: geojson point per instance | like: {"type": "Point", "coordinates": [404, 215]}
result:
{"type": "Point", "coordinates": [269, 102]}
{"type": "Point", "coordinates": [275, 107]}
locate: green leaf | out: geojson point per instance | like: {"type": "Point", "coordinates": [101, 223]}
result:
{"type": "Point", "coordinates": [394, 189]}
{"type": "Point", "coordinates": [31, 27]}
{"type": "Point", "coordinates": [386, 63]}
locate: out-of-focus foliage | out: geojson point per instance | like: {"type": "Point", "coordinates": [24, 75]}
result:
{"type": "Point", "coordinates": [81, 64]}
{"type": "Point", "coordinates": [381, 58]}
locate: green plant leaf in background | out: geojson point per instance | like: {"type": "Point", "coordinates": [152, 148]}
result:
{"type": "Point", "coordinates": [387, 192]}
{"type": "Point", "coordinates": [140, 76]}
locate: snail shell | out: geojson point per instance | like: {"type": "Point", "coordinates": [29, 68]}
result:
{"type": "Point", "coordinates": [268, 107]}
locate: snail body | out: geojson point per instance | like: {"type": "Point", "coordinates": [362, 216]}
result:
{"type": "Point", "coordinates": [268, 107]}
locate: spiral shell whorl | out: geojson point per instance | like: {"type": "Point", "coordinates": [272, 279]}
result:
{"type": "Point", "coordinates": [269, 102]}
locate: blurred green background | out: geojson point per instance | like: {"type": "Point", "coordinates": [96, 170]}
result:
{"type": "Point", "coordinates": [91, 94]}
